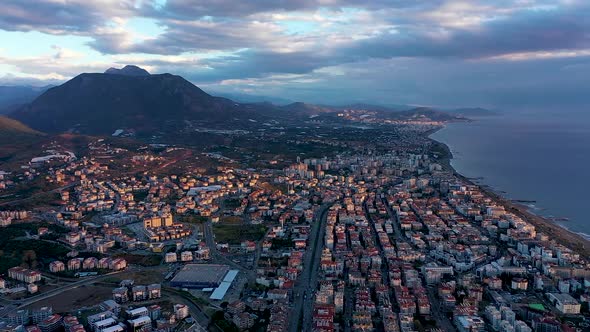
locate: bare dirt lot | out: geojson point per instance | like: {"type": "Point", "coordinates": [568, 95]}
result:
{"type": "Point", "coordinates": [83, 296]}
{"type": "Point", "coordinates": [155, 275]}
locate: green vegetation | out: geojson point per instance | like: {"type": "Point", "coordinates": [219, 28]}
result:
{"type": "Point", "coordinates": [32, 252]}
{"type": "Point", "coordinates": [236, 233]}
{"type": "Point", "coordinates": [233, 203]}
{"type": "Point", "coordinates": [15, 250]}
{"type": "Point", "coordinates": [225, 325]}
{"type": "Point", "coordinates": [13, 129]}
{"type": "Point", "coordinates": [34, 194]}
{"type": "Point", "coordinates": [274, 187]}
{"type": "Point", "coordinates": [139, 196]}
{"type": "Point", "coordinates": [279, 243]}
{"type": "Point", "coordinates": [190, 218]}
{"type": "Point", "coordinates": [232, 220]}
{"type": "Point", "coordinates": [18, 142]}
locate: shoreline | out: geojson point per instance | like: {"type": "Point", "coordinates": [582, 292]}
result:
{"type": "Point", "coordinates": [558, 233]}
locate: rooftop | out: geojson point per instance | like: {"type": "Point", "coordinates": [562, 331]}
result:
{"type": "Point", "coordinates": [537, 306]}
{"type": "Point", "coordinates": [204, 273]}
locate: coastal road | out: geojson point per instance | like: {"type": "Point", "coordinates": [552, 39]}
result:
{"type": "Point", "coordinates": [306, 284]}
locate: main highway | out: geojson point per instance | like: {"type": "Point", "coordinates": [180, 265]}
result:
{"type": "Point", "coordinates": [306, 284]}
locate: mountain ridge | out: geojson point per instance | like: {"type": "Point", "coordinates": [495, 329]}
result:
{"type": "Point", "coordinates": [14, 96]}
{"type": "Point", "coordinates": [98, 103]}
{"type": "Point", "coordinates": [133, 100]}
{"type": "Point", "coordinates": [128, 70]}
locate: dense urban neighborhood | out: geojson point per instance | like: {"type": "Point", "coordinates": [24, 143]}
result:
{"type": "Point", "coordinates": [294, 165]}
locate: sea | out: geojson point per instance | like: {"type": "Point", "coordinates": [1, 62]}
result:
{"type": "Point", "coordinates": [540, 157]}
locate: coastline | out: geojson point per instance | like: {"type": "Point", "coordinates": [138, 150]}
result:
{"type": "Point", "coordinates": [555, 231]}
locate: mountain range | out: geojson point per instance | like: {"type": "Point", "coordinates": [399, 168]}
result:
{"type": "Point", "coordinates": [12, 97]}
{"type": "Point", "coordinates": [103, 103]}
{"type": "Point", "coordinates": [131, 98]}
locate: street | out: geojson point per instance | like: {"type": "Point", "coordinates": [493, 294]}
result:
{"type": "Point", "coordinates": [306, 284]}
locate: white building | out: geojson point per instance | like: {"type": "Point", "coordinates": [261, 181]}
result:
{"type": "Point", "coordinates": [565, 303]}
{"type": "Point", "coordinates": [171, 257]}
{"type": "Point", "coordinates": [186, 256]}
{"type": "Point", "coordinates": [180, 311]}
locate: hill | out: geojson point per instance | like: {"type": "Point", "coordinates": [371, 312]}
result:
{"type": "Point", "coordinates": [378, 108]}
{"type": "Point", "coordinates": [426, 113]}
{"type": "Point", "coordinates": [132, 101]}
{"type": "Point", "coordinates": [102, 103]}
{"type": "Point", "coordinates": [304, 109]}
{"type": "Point", "coordinates": [12, 97]}
{"type": "Point", "coordinates": [473, 111]}
{"type": "Point", "coordinates": [251, 99]}
{"type": "Point", "coordinates": [10, 128]}
{"type": "Point", "coordinates": [17, 141]}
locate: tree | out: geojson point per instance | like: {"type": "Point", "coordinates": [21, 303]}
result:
{"type": "Point", "coordinates": [30, 258]}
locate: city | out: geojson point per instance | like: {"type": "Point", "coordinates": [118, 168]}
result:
{"type": "Point", "coordinates": [294, 165]}
{"type": "Point", "coordinates": [381, 235]}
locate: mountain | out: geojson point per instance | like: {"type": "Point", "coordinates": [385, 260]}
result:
{"type": "Point", "coordinates": [378, 108]}
{"type": "Point", "coordinates": [11, 97]}
{"type": "Point", "coordinates": [129, 70]}
{"type": "Point", "coordinates": [247, 98]}
{"type": "Point", "coordinates": [473, 111]}
{"type": "Point", "coordinates": [427, 113]}
{"type": "Point", "coordinates": [304, 109]}
{"type": "Point", "coordinates": [17, 142]}
{"type": "Point", "coordinates": [102, 103]}
{"type": "Point", "coordinates": [300, 109]}
{"type": "Point", "coordinates": [133, 101]}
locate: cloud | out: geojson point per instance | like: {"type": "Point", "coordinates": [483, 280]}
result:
{"type": "Point", "coordinates": [525, 31]}
{"type": "Point", "coordinates": [316, 47]}
{"type": "Point", "coordinates": [191, 9]}
{"type": "Point", "coordinates": [60, 64]}
{"type": "Point", "coordinates": [61, 17]}
{"type": "Point", "coordinates": [30, 80]}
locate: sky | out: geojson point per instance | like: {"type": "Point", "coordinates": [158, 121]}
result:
{"type": "Point", "coordinates": [489, 53]}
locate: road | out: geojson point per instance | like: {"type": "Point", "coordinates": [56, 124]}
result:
{"type": "Point", "coordinates": [14, 305]}
{"type": "Point", "coordinates": [306, 284]}
{"type": "Point", "coordinates": [197, 313]}
{"type": "Point", "coordinates": [11, 306]}
{"type": "Point", "coordinates": [71, 185]}
{"type": "Point", "coordinates": [210, 241]}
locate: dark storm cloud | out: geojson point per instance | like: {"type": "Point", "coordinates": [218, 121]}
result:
{"type": "Point", "coordinates": [527, 31]}
{"type": "Point", "coordinates": [257, 64]}
{"type": "Point", "coordinates": [184, 36]}
{"type": "Point", "coordinates": [59, 17]}
{"type": "Point", "coordinates": [397, 51]}
{"type": "Point", "coordinates": [524, 30]}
